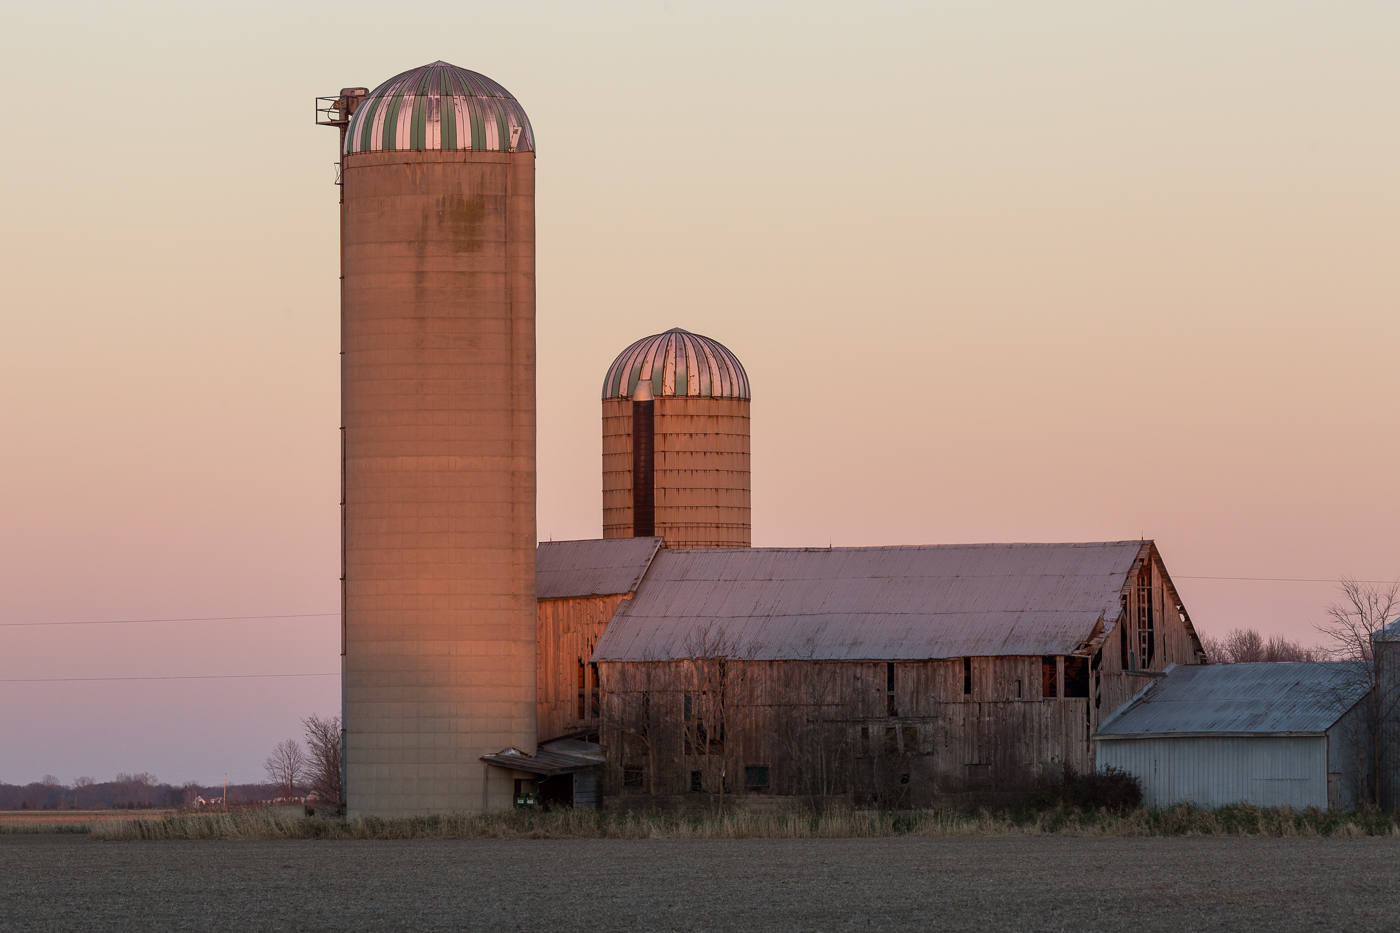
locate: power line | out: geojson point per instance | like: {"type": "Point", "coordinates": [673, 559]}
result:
{"type": "Point", "coordinates": [68, 680]}
{"type": "Point", "coordinates": [295, 615]}
{"type": "Point", "coordinates": [327, 615]}
{"type": "Point", "coordinates": [1279, 579]}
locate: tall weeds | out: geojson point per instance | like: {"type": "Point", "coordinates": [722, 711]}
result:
{"type": "Point", "coordinates": [1184, 820]}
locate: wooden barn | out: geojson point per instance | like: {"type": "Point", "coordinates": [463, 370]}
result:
{"type": "Point", "coordinates": [885, 675]}
{"type": "Point", "coordinates": [579, 585]}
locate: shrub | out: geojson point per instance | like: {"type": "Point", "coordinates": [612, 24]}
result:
{"type": "Point", "coordinates": [1111, 789]}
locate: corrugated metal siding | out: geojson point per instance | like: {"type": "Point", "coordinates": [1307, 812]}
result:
{"type": "Point", "coordinates": [678, 363]}
{"type": "Point", "coordinates": [597, 567]}
{"type": "Point", "coordinates": [891, 603]}
{"type": "Point", "coordinates": [439, 106]}
{"type": "Point", "coordinates": [1242, 698]}
{"type": "Point", "coordinates": [1268, 771]}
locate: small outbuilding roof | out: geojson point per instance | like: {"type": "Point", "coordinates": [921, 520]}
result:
{"type": "Point", "coordinates": [1272, 698]}
{"type": "Point", "coordinates": [875, 603]}
{"type": "Point", "coordinates": [598, 567]}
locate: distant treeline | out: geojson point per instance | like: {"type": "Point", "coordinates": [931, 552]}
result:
{"type": "Point", "coordinates": [139, 791]}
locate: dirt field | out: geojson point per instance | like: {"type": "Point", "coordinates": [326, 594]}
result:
{"type": "Point", "coordinates": [75, 817]}
{"type": "Point", "coordinates": [980, 883]}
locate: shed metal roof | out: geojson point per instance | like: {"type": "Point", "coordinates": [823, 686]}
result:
{"type": "Point", "coordinates": [598, 567]}
{"type": "Point", "coordinates": [1241, 699]}
{"type": "Point", "coordinates": [545, 761]}
{"type": "Point", "coordinates": [878, 603]}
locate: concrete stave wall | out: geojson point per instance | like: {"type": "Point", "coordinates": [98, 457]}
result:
{"type": "Point", "coordinates": [438, 343]}
{"type": "Point", "coordinates": [703, 496]}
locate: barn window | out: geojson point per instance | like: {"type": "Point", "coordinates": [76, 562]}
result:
{"type": "Point", "coordinates": [1018, 688]}
{"type": "Point", "coordinates": [890, 708]}
{"type": "Point", "coordinates": [580, 689]}
{"type": "Point", "coordinates": [1049, 688]}
{"type": "Point", "coordinates": [632, 777]}
{"type": "Point", "coordinates": [755, 776]}
{"type": "Point", "coordinates": [865, 741]}
{"type": "Point", "coordinates": [979, 775]}
{"type": "Point", "coordinates": [911, 740]}
{"type": "Point", "coordinates": [1077, 678]}
{"type": "Point", "coordinates": [689, 709]}
{"type": "Point", "coordinates": [697, 781]}
{"type": "Point", "coordinates": [1124, 661]}
{"type": "Point", "coordinates": [891, 741]}
{"type": "Point", "coordinates": [967, 677]}
{"type": "Point", "coordinates": [1146, 636]}
{"type": "Point", "coordinates": [593, 704]}
{"type": "Point", "coordinates": [904, 779]}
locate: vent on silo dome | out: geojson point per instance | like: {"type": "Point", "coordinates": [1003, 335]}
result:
{"type": "Point", "coordinates": [439, 106]}
{"type": "Point", "coordinates": [678, 364]}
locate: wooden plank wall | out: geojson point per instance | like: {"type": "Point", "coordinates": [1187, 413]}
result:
{"type": "Point", "coordinates": [831, 725]}
{"type": "Point", "coordinates": [568, 630]}
{"type": "Point", "coordinates": [1173, 643]}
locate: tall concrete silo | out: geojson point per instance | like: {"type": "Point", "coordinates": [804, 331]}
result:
{"type": "Point", "coordinates": [438, 439]}
{"type": "Point", "coordinates": [695, 394]}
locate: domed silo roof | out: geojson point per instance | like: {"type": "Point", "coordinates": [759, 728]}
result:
{"type": "Point", "coordinates": [678, 363]}
{"type": "Point", "coordinates": [439, 106]}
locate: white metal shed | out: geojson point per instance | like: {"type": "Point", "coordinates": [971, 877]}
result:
{"type": "Point", "coordinates": [1274, 734]}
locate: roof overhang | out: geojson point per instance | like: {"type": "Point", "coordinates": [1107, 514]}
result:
{"type": "Point", "coordinates": [1127, 736]}
{"type": "Point", "coordinates": [544, 762]}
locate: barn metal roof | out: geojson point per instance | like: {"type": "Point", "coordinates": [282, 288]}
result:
{"type": "Point", "coordinates": [1241, 699]}
{"type": "Point", "coordinates": [878, 603]}
{"type": "Point", "coordinates": [678, 363]}
{"type": "Point", "coordinates": [600, 567]}
{"type": "Point", "coordinates": [439, 106]}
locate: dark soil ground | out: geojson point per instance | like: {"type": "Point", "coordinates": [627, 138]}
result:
{"type": "Point", "coordinates": [1055, 883]}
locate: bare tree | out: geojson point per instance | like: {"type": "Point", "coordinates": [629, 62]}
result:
{"type": "Point", "coordinates": [720, 676]}
{"type": "Point", "coordinates": [325, 758]}
{"type": "Point", "coordinates": [287, 768]}
{"type": "Point", "coordinates": [817, 742]}
{"type": "Point", "coordinates": [637, 693]}
{"type": "Point", "coordinates": [1357, 628]}
{"type": "Point", "coordinates": [1247, 646]}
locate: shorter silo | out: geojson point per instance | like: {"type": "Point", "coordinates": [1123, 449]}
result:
{"type": "Point", "coordinates": [699, 461]}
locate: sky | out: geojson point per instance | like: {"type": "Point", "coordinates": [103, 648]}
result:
{"type": "Point", "coordinates": [997, 271]}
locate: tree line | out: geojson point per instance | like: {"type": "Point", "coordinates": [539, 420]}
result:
{"type": "Point", "coordinates": [125, 791]}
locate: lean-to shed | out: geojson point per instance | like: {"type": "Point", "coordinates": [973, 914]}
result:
{"type": "Point", "coordinates": [1270, 734]}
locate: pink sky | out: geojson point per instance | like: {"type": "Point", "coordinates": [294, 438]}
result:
{"type": "Point", "coordinates": [1003, 273]}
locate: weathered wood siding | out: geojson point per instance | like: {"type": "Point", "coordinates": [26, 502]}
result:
{"type": "Point", "coordinates": [834, 728]}
{"type": "Point", "coordinates": [1148, 593]}
{"type": "Point", "coordinates": [568, 631]}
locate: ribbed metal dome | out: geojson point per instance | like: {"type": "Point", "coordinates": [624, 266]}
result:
{"type": "Point", "coordinates": [678, 363]}
{"type": "Point", "coordinates": [439, 106]}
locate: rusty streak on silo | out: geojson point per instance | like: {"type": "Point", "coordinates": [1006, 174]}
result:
{"type": "Point", "coordinates": [701, 441]}
{"type": "Point", "coordinates": [438, 441]}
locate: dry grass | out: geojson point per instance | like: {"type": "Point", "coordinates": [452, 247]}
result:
{"type": "Point", "coordinates": [1240, 820]}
